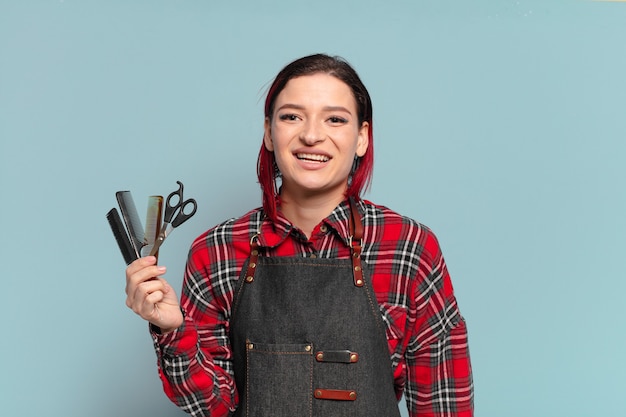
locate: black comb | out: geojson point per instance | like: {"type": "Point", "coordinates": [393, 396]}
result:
{"type": "Point", "coordinates": [117, 227]}
{"type": "Point", "coordinates": [131, 219]}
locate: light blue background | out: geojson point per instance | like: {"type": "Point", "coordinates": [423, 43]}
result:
{"type": "Point", "coordinates": [499, 124]}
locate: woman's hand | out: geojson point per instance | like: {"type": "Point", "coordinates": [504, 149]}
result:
{"type": "Point", "coordinates": [150, 296]}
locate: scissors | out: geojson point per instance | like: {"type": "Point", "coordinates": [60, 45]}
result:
{"type": "Point", "coordinates": [174, 215]}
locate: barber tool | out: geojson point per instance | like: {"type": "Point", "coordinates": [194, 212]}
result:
{"type": "Point", "coordinates": [129, 233]}
{"type": "Point", "coordinates": [154, 215]}
{"type": "Point", "coordinates": [123, 241]}
{"type": "Point", "coordinates": [174, 215]}
{"type": "Point", "coordinates": [131, 220]}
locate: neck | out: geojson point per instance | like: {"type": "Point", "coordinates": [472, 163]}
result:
{"type": "Point", "coordinates": [307, 212]}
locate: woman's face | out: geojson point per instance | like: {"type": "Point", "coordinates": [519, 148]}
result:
{"type": "Point", "coordinates": [315, 135]}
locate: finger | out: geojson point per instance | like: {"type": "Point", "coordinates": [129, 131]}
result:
{"type": "Point", "coordinates": [137, 296]}
{"type": "Point", "coordinates": [139, 270]}
{"type": "Point", "coordinates": [143, 305]}
{"type": "Point", "coordinates": [136, 266]}
{"type": "Point", "coordinates": [145, 274]}
{"type": "Point", "coordinates": [142, 283]}
{"type": "Point", "coordinates": [166, 285]}
{"type": "Point", "coordinates": [140, 263]}
{"type": "Point", "coordinates": [150, 306]}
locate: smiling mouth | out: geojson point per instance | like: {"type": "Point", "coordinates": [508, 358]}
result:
{"type": "Point", "coordinates": [312, 157]}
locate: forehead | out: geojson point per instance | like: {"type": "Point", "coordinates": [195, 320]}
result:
{"type": "Point", "coordinates": [317, 89]}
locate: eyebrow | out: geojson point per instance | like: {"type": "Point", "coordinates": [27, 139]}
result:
{"type": "Point", "coordinates": [325, 108]}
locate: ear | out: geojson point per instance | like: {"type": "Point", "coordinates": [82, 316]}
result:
{"type": "Point", "coordinates": [363, 139]}
{"type": "Point", "coordinates": [267, 137]}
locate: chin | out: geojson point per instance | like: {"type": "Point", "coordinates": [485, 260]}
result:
{"type": "Point", "coordinates": [321, 189]}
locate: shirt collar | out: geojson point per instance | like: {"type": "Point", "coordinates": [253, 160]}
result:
{"type": "Point", "coordinates": [273, 233]}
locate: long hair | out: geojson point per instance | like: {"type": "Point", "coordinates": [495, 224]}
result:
{"type": "Point", "coordinates": [361, 176]}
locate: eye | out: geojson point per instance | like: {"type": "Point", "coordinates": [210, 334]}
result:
{"type": "Point", "coordinates": [288, 117]}
{"type": "Point", "coordinates": [337, 120]}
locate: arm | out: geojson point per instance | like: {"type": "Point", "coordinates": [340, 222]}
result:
{"type": "Point", "coordinates": [439, 374]}
{"type": "Point", "coordinates": [195, 360]}
{"type": "Point", "coordinates": [194, 376]}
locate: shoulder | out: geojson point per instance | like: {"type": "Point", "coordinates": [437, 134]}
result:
{"type": "Point", "coordinates": [231, 233]}
{"type": "Point", "coordinates": [384, 226]}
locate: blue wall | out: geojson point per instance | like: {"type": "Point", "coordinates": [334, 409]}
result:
{"type": "Point", "coordinates": [500, 124]}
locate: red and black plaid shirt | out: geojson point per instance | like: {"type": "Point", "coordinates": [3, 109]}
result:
{"type": "Point", "coordinates": [426, 333]}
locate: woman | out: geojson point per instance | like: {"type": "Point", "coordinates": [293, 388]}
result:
{"type": "Point", "coordinates": [319, 303]}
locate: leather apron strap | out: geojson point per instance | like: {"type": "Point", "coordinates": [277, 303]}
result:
{"type": "Point", "coordinates": [355, 241]}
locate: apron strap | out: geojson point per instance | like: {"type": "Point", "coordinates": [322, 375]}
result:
{"type": "Point", "coordinates": [355, 241]}
{"type": "Point", "coordinates": [254, 258]}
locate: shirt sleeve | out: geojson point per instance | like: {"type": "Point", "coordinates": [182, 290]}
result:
{"type": "Point", "coordinates": [439, 375]}
{"type": "Point", "coordinates": [195, 361]}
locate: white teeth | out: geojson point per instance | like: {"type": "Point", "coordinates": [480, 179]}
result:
{"type": "Point", "coordinates": [313, 157]}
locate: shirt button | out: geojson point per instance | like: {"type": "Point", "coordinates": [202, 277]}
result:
{"type": "Point", "coordinates": [313, 255]}
{"type": "Point", "coordinates": [324, 228]}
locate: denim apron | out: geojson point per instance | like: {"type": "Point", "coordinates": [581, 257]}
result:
{"type": "Point", "coordinates": [308, 338]}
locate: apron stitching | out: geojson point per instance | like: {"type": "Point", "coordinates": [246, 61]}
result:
{"type": "Point", "coordinates": [311, 387]}
{"type": "Point", "coordinates": [247, 382]}
{"type": "Point", "coordinates": [236, 304]}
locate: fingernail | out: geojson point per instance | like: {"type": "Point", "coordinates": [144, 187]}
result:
{"type": "Point", "coordinates": [161, 268]}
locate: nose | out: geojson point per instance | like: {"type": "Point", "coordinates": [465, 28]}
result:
{"type": "Point", "coordinates": [312, 133]}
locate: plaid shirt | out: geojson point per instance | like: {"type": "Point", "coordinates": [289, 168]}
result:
{"type": "Point", "coordinates": [426, 334]}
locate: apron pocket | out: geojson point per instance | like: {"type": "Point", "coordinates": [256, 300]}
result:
{"type": "Point", "coordinates": [276, 369]}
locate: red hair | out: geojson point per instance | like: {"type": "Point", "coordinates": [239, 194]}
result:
{"type": "Point", "coordinates": [361, 176]}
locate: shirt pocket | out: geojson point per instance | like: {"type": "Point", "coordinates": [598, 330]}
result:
{"type": "Point", "coordinates": [394, 318]}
